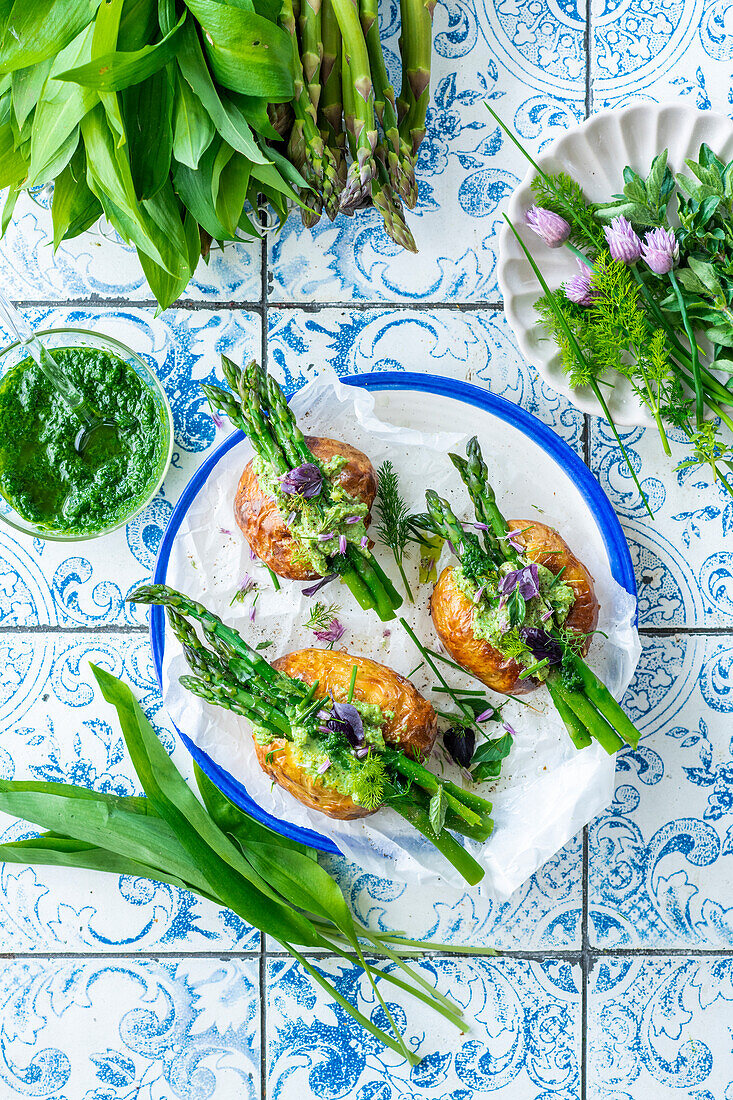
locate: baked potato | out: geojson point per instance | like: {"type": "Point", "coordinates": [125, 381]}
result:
{"type": "Point", "coordinates": [412, 728]}
{"type": "Point", "coordinates": [453, 611]}
{"type": "Point", "coordinates": [263, 525]}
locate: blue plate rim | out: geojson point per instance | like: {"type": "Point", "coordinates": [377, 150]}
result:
{"type": "Point", "coordinates": [590, 490]}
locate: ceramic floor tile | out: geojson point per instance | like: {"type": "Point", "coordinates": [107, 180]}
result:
{"type": "Point", "coordinates": [680, 49]}
{"type": "Point", "coordinates": [124, 1028]}
{"type": "Point", "coordinates": [660, 857]}
{"type": "Point", "coordinates": [659, 1028]}
{"type": "Point", "coordinates": [85, 584]}
{"type": "Point", "coordinates": [98, 265]}
{"type": "Point", "coordinates": [527, 59]}
{"type": "Point", "coordinates": [682, 561]}
{"type": "Point", "coordinates": [473, 346]}
{"type": "Point", "coordinates": [524, 1039]}
{"type": "Point", "coordinates": [545, 913]}
{"type": "Point", "coordinates": [55, 727]}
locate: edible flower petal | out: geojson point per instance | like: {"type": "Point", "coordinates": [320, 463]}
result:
{"type": "Point", "coordinates": [580, 288]}
{"type": "Point", "coordinates": [342, 544]}
{"type": "Point", "coordinates": [305, 481]}
{"type": "Point", "coordinates": [332, 633]}
{"type": "Point", "coordinates": [311, 591]}
{"type": "Point", "coordinates": [623, 243]}
{"type": "Point", "coordinates": [553, 229]}
{"type": "Point", "coordinates": [660, 250]}
{"type": "Point", "coordinates": [323, 767]}
{"type": "Point", "coordinates": [526, 580]}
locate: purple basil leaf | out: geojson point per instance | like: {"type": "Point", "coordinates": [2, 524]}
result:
{"type": "Point", "coordinates": [542, 644]}
{"type": "Point", "coordinates": [319, 585]}
{"type": "Point", "coordinates": [345, 718]}
{"type": "Point", "coordinates": [459, 744]}
{"type": "Point", "coordinates": [305, 480]}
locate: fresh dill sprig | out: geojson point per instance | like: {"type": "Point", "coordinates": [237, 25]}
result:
{"type": "Point", "coordinates": [370, 781]}
{"type": "Point", "coordinates": [321, 616]}
{"type": "Point", "coordinates": [393, 528]}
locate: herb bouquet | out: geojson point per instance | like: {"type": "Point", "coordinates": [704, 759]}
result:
{"type": "Point", "coordinates": [647, 295]}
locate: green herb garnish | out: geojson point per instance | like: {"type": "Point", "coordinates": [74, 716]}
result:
{"type": "Point", "coordinates": [394, 527]}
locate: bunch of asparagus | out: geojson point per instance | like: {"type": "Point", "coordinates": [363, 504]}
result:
{"type": "Point", "coordinates": [345, 106]}
{"type": "Point", "coordinates": [586, 706]}
{"type": "Point", "coordinates": [258, 406]}
{"type": "Point", "coordinates": [231, 674]}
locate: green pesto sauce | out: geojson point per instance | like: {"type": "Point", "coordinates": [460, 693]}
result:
{"type": "Point", "coordinates": [311, 752]}
{"type": "Point", "coordinates": [41, 474]}
{"type": "Point", "coordinates": [490, 621]}
{"type": "Point", "coordinates": [324, 514]}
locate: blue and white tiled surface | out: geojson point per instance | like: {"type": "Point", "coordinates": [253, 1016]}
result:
{"type": "Point", "coordinates": [617, 977]}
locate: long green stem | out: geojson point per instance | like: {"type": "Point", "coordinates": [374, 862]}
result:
{"type": "Point", "coordinates": [447, 845]}
{"type": "Point", "coordinates": [578, 732]}
{"type": "Point", "coordinates": [594, 722]}
{"type": "Point", "coordinates": [696, 376]}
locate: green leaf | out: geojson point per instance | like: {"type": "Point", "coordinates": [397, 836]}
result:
{"type": "Point", "coordinates": [705, 272]}
{"type": "Point", "coordinates": [247, 52]}
{"type": "Point", "coordinates": [226, 116]}
{"type": "Point", "coordinates": [71, 853]}
{"type": "Point", "coordinates": [114, 71]}
{"type": "Point", "coordinates": [254, 110]}
{"type": "Point", "coordinates": [26, 87]}
{"type": "Point", "coordinates": [13, 167]}
{"type": "Point", "coordinates": [229, 874]}
{"type": "Point", "coordinates": [231, 819]}
{"type": "Point", "coordinates": [138, 24]}
{"type": "Point", "coordinates": [193, 129]}
{"type": "Point", "coordinates": [60, 110]}
{"type": "Point", "coordinates": [437, 810]}
{"type": "Point", "coordinates": [722, 335]}
{"type": "Point", "coordinates": [37, 29]}
{"type": "Point", "coordinates": [658, 182]}
{"type": "Point", "coordinates": [147, 112]}
{"type": "Point", "coordinates": [196, 192]}
{"type": "Point", "coordinates": [73, 207]}
{"type": "Point", "coordinates": [230, 181]}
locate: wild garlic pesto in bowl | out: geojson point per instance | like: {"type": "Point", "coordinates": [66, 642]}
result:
{"type": "Point", "coordinates": [47, 488]}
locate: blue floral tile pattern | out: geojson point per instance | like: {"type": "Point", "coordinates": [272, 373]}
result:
{"type": "Point", "coordinates": [523, 1039]}
{"type": "Point", "coordinates": [660, 857]}
{"type": "Point", "coordinates": [659, 1028]}
{"type": "Point", "coordinates": [123, 1028]}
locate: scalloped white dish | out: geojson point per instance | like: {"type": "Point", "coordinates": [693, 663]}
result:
{"type": "Point", "coordinates": [595, 154]}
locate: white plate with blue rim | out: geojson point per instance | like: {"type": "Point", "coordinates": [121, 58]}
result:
{"type": "Point", "coordinates": [594, 154]}
{"type": "Point", "coordinates": [544, 470]}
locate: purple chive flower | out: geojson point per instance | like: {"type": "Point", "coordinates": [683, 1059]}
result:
{"type": "Point", "coordinates": [509, 730]}
{"type": "Point", "coordinates": [218, 420]}
{"type": "Point", "coordinates": [623, 243]}
{"type": "Point", "coordinates": [364, 542]}
{"type": "Point", "coordinates": [482, 526]}
{"type": "Point", "coordinates": [326, 536]}
{"type": "Point", "coordinates": [513, 540]}
{"type": "Point", "coordinates": [252, 555]}
{"type": "Point", "coordinates": [319, 585]}
{"type": "Point", "coordinates": [345, 719]}
{"type": "Point", "coordinates": [291, 518]}
{"type": "Point", "coordinates": [479, 594]}
{"type": "Point", "coordinates": [485, 715]}
{"type": "Point", "coordinates": [332, 633]}
{"type": "Point", "coordinates": [580, 288]}
{"type": "Point", "coordinates": [542, 644]}
{"type": "Point", "coordinates": [225, 531]}
{"type": "Point", "coordinates": [352, 519]}
{"type": "Point", "coordinates": [547, 615]}
{"type": "Point", "coordinates": [553, 229]}
{"type": "Point", "coordinates": [451, 547]}
{"type": "Point", "coordinates": [305, 481]}
{"type": "Point", "coordinates": [362, 753]}
{"type": "Point", "coordinates": [253, 612]}
{"type": "Point", "coordinates": [660, 250]}
{"type": "Point", "coordinates": [342, 544]}
{"type": "Point", "coordinates": [324, 767]}
{"type": "Point", "coordinates": [526, 580]}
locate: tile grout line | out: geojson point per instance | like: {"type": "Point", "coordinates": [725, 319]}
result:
{"type": "Point", "coordinates": [569, 955]}
{"type": "Point", "coordinates": [257, 307]}
{"type": "Point", "coordinates": [586, 961]}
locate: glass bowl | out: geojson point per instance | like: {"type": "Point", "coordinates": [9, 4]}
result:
{"type": "Point", "coordinates": [75, 338]}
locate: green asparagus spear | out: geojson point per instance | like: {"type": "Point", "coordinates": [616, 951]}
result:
{"type": "Point", "coordinates": [363, 170]}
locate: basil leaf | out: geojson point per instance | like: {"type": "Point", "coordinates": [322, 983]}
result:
{"type": "Point", "coordinates": [247, 52]}
{"type": "Point", "coordinates": [193, 129]}
{"type": "Point", "coordinates": [114, 71]}
{"type": "Point", "coordinates": [437, 810]}
{"type": "Point", "coordinates": [37, 29]}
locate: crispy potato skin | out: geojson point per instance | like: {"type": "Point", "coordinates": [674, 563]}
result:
{"type": "Point", "coordinates": [452, 611]}
{"type": "Point", "coordinates": [262, 524]}
{"type": "Point", "coordinates": [413, 728]}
